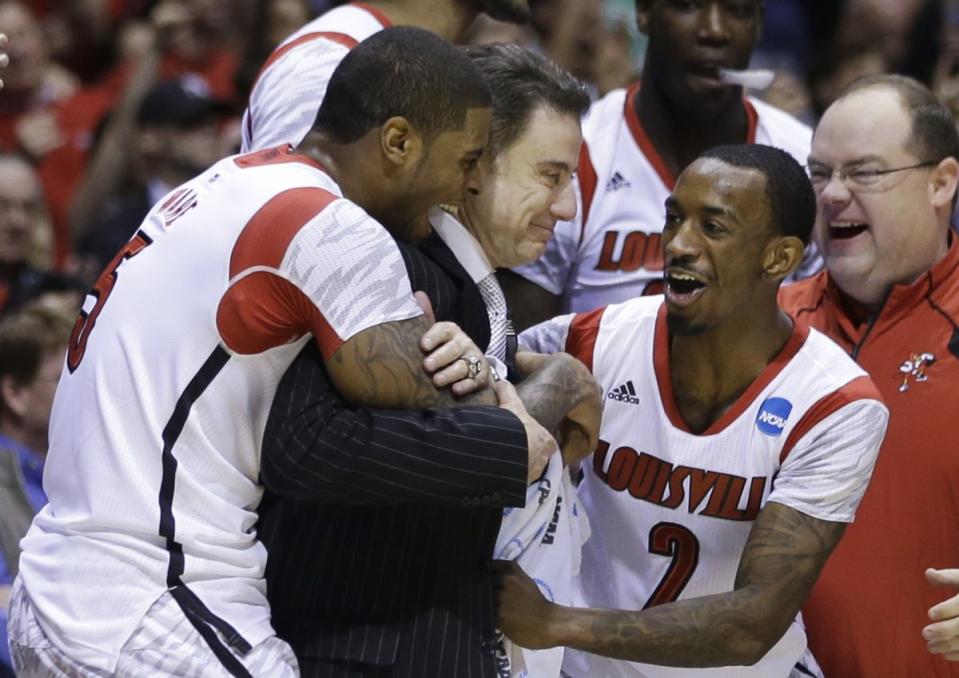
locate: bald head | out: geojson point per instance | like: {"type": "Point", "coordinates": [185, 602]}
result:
{"type": "Point", "coordinates": [933, 134]}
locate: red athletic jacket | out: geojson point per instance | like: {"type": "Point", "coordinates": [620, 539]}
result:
{"type": "Point", "coordinates": [867, 610]}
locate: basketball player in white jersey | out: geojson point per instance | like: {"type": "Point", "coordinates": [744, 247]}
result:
{"type": "Point", "coordinates": [291, 84]}
{"type": "Point", "coordinates": [637, 141]}
{"type": "Point", "coordinates": [146, 560]}
{"type": "Point", "coordinates": [735, 446]}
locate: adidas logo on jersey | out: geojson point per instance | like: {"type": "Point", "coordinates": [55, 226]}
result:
{"type": "Point", "coordinates": [624, 394]}
{"type": "Point", "coordinates": [616, 182]}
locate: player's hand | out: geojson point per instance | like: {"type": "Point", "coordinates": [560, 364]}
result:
{"type": "Point", "coordinates": [4, 57]}
{"type": "Point", "coordinates": [942, 636]}
{"type": "Point", "coordinates": [579, 430]}
{"type": "Point", "coordinates": [454, 359]}
{"type": "Point", "coordinates": [578, 433]}
{"type": "Point", "coordinates": [523, 614]}
{"type": "Point", "coordinates": [540, 444]}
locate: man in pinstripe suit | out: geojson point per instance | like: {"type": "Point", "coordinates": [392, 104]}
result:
{"type": "Point", "coordinates": [389, 576]}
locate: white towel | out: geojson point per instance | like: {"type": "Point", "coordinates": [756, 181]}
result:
{"type": "Point", "coordinates": [545, 538]}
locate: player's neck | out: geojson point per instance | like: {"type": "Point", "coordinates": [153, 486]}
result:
{"type": "Point", "coordinates": [360, 181]}
{"type": "Point", "coordinates": [680, 137]}
{"type": "Point", "coordinates": [709, 371]}
{"type": "Point", "coordinates": [448, 19]}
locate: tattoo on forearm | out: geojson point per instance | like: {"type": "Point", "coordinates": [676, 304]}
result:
{"type": "Point", "coordinates": [551, 392]}
{"type": "Point", "coordinates": [384, 368]}
{"type": "Point", "coordinates": [783, 557]}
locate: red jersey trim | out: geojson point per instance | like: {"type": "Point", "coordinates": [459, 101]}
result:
{"type": "Point", "coordinates": [742, 403]}
{"type": "Point", "coordinates": [263, 310]}
{"type": "Point", "coordinates": [267, 235]}
{"type": "Point", "coordinates": [586, 175]}
{"type": "Point", "coordinates": [752, 121]}
{"type": "Point", "coordinates": [860, 388]}
{"type": "Point", "coordinates": [646, 145]}
{"type": "Point", "coordinates": [583, 331]}
{"type": "Point", "coordinates": [279, 155]}
{"type": "Point", "coordinates": [643, 140]}
{"type": "Point", "coordinates": [341, 38]}
{"type": "Point", "coordinates": [375, 13]}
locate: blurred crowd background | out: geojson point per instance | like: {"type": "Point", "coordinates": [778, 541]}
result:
{"type": "Point", "coordinates": [109, 103]}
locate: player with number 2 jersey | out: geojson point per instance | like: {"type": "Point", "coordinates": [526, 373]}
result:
{"type": "Point", "coordinates": [671, 509]}
{"type": "Point", "coordinates": [734, 448]}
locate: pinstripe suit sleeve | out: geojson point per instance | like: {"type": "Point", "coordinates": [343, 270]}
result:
{"type": "Point", "coordinates": [317, 448]}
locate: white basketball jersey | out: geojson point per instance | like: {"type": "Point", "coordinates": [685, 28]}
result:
{"type": "Point", "coordinates": [612, 250]}
{"type": "Point", "coordinates": [670, 510]}
{"type": "Point", "coordinates": [159, 416]}
{"type": "Point", "coordinates": [292, 83]}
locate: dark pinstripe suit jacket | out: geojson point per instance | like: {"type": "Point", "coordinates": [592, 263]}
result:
{"type": "Point", "coordinates": [380, 524]}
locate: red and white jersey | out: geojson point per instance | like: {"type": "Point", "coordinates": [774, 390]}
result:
{"type": "Point", "coordinates": [292, 83]}
{"type": "Point", "coordinates": [670, 510]}
{"type": "Point", "coordinates": [159, 415]}
{"type": "Point", "coordinates": [612, 250]}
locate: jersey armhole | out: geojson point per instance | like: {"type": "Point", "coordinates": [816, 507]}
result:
{"type": "Point", "coordinates": [581, 338]}
{"type": "Point", "coordinates": [860, 388]}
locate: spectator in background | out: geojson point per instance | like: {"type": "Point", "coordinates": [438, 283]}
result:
{"type": "Point", "coordinates": [23, 228]}
{"type": "Point", "coordinates": [838, 66]}
{"type": "Point", "coordinates": [176, 137]}
{"type": "Point", "coordinates": [33, 342]}
{"type": "Point", "coordinates": [586, 37]}
{"type": "Point", "coordinates": [32, 82]}
{"type": "Point", "coordinates": [885, 166]}
{"type": "Point", "coordinates": [45, 115]}
{"type": "Point", "coordinates": [193, 39]}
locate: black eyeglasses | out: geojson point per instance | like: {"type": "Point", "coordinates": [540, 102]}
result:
{"type": "Point", "coordinates": [855, 177]}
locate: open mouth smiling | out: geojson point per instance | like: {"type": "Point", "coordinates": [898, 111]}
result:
{"type": "Point", "coordinates": [845, 230]}
{"type": "Point", "coordinates": [682, 288]}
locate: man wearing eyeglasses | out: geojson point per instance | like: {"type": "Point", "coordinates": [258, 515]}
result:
{"type": "Point", "coordinates": [884, 167]}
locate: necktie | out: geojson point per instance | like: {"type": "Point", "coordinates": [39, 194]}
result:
{"type": "Point", "coordinates": [498, 319]}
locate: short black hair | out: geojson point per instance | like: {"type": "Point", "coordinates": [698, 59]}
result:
{"type": "Point", "coordinates": [934, 136]}
{"type": "Point", "coordinates": [406, 72]}
{"type": "Point", "coordinates": [792, 202]}
{"type": "Point", "coordinates": [520, 80]}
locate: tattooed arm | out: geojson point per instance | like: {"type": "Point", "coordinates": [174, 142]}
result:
{"type": "Point", "coordinates": [330, 438]}
{"type": "Point", "coordinates": [784, 554]}
{"type": "Point", "coordinates": [561, 394]}
{"type": "Point", "coordinates": [383, 366]}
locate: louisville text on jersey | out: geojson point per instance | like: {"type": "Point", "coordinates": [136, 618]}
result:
{"type": "Point", "coordinates": [710, 493]}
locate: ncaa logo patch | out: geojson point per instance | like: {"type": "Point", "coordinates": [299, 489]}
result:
{"type": "Point", "coordinates": [773, 415]}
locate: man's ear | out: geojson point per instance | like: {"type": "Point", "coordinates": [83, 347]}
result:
{"type": "Point", "coordinates": [782, 256]}
{"type": "Point", "coordinates": [943, 183]}
{"type": "Point", "coordinates": [13, 395]}
{"type": "Point", "coordinates": [643, 8]}
{"type": "Point", "coordinates": [399, 142]}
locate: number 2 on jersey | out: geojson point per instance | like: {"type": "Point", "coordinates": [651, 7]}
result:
{"type": "Point", "coordinates": [101, 292]}
{"type": "Point", "coordinates": [678, 543]}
